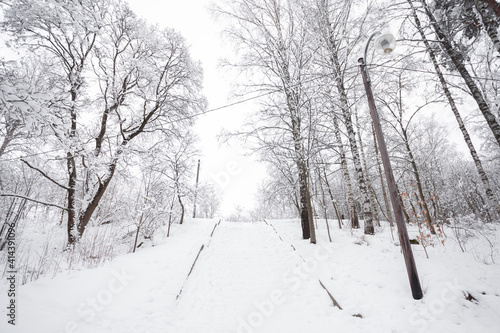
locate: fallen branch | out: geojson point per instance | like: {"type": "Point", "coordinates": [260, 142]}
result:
{"type": "Point", "coordinates": [335, 303]}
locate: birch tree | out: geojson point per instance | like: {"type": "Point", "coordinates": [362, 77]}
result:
{"type": "Point", "coordinates": [445, 39]}
{"type": "Point", "coordinates": [451, 101]}
{"type": "Point", "coordinates": [332, 27]}
{"type": "Point", "coordinates": [270, 35]}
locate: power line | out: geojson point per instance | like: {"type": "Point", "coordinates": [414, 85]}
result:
{"type": "Point", "coordinates": [269, 93]}
{"type": "Point", "coordinates": [432, 72]}
{"type": "Point", "coordinates": [223, 106]}
{"type": "Point", "coordinates": [180, 119]}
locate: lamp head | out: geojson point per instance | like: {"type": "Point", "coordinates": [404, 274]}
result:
{"type": "Point", "coordinates": [385, 44]}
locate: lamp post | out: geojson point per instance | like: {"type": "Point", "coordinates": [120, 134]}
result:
{"type": "Point", "coordinates": [385, 44]}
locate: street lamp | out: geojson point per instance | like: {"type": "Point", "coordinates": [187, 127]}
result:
{"type": "Point", "coordinates": [385, 44]}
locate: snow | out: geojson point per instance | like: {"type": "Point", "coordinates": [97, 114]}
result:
{"type": "Point", "coordinates": [247, 279]}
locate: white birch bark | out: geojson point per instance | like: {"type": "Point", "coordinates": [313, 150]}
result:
{"type": "Point", "coordinates": [477, 162]}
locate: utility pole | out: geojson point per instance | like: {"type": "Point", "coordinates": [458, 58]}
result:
{"type": "Point", "coordinates": [411, 268]}
{"type": "Point", "coordinates": [196, 189]}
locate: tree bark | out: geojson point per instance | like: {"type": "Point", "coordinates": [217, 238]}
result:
{"type": "Point", "coordinates": [170, 215]}
{"type": "Point", "coordinates": [182, 208]}
{"type": "Point", "coordinates": [368, 182]}
{"type": "Point", "coordinates": [86, 213]}
{"type": "Point", "coordinates": [423, 201]}
{"type": "Point", "coordinates": [323, 204]}
{"type": "Point", "coordinates": [332, 199]}
{"type": "Point", "coordinates": [351, 135]}
{"type": "Point", "coordinates": [312, 227]}
{"type": "Point", "coordinates": [487, 24]}
{"type": "Point", "coordinates": [494, 7]}
{"type": "Point", "coordinates": [73, 233]}
{"type": "Point", "coordinates": [365, 197]}
{"type": "Point", "coordinates": [444, 85]}
{"type": "Point", "coordinates": [457, 60]}
{"type": "Point", "coordinates": [347, 178]}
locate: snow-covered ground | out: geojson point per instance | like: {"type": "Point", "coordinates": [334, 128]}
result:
{"type": "Point", "coordinates": [262, 277]}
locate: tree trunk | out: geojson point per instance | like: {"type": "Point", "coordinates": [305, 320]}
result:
{"type": "Point", "coordinates": [488, 25]}
{"type": "Point", "coordinates": [86, 213]}
{"type": "Point", "coordinates": [332, 199]}
{"type": "Point", "coordinates": [312, 228]}
{"type": "Point", "coordinates": [457, 60]}
{"type": "Point", "coordinates": [182, 208]}
{"type": "Point", "coordinates": [493, 4]}
{"type": "Point", "coordinates": [292, 100]}
{"type": "Point", "coordinates": [170, 216]}
{"type": "Point", "coordinates": [365, 197]}
{"type": "Point", "coordinates": [368, 182]}
{"type": "Point", "coordinates": [323, 204]}
{"type": "Point", "coordinates": [304, 211]}
{"type": "Point", "coordinates": [137, 232]}
{"type": "Point", "coordinates": [196, 189]}
{"type": "Point", "coordinates": [482, 174]}
{"type": "Point", "coordinates": [73, 232]}
{"type": "Point", "coordinates": [423, 201]}
{"type": "Point", "coordinates": [382, 182]}
{"type": "Point", "coordinates": [351, 135]}
{"type": "Point", "coordinates": [347, 178]}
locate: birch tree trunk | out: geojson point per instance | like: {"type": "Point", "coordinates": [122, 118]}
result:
{"type": "Point", "coordinates": [488, 25]}
{"type": "Point", "coordinates": [365, 196]}
{"type": "Point", "coordinates": [368, 183]}
{"type": "Point", "coordinates": [273, 42]}
{"type": "Point", "coordinates": [344, 105]}
{"type": "Point", "coordinates": [457, 60]}
{"type": "Point", "coordinates": [444, 85]}
{"type": "Point", "coordinates": [73, 232]}
{"type": "Point", "coordinates": [423, 201]}
{"type": "Point", "coordinates": [347, 178]}
{"type": "Point", "coordinates": [292, 100]}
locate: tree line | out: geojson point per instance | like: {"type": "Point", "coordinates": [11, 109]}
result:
{"type": "Point", "coordinates": [313, 130]}
{"type": "Point", "coordinates": [97, 112]}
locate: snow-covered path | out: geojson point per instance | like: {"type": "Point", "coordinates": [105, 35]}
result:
{"type": "Point", "coordinates": [247, 280]}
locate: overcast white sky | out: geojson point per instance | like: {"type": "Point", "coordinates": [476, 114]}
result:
{"type": "Point", "coordinates": [228, 167]}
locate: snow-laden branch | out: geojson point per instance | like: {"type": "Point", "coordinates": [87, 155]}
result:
{"type": "Point", "coordinates": [31, 199]}
{"type": "Point", "coordinates": [45, 175]}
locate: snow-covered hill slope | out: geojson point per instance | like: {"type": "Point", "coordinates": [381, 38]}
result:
{"type": "Point", "coordinates": [261, 277]}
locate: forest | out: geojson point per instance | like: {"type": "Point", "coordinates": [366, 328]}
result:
{"type": "Point", "coordinates": [98, 156]}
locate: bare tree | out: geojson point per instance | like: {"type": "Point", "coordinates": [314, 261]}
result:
{"type": "Point", "coordinates": [458, 60]}
{"type": "Point", "coordinates": [272, 34]}
{"type": "Point", "coordinates": [456, 113]}
{"type": "Point", "coordinates": [146, 78]}
{"type": "Point", "coordinates": [332, 28]}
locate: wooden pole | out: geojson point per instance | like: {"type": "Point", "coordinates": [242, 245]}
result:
{"type": "Point", "coordinates": [411, 268]}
